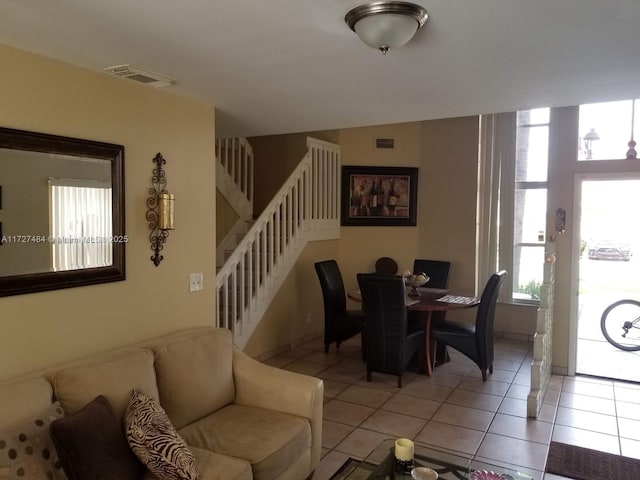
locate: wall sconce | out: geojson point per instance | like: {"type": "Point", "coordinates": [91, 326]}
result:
{"type": "Point", "coordinates": [160, 210]}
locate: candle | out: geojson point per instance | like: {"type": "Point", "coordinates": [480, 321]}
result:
{"type": "Point", "coordinates": [165, 211]}
{"type": "Point", "coordinates": [403, 450]}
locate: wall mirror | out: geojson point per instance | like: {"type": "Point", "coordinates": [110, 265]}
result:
{"type": "Point", "coordinates": [61, 212]}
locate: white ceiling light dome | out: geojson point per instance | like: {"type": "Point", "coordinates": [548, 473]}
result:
{"type": "Point", "coordinates": [386, 25]}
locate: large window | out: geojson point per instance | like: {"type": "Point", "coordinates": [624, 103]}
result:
{"type": "Point", "coordinates": [529, 203]}
{"type": "Point", "coordinates": [512, 203]}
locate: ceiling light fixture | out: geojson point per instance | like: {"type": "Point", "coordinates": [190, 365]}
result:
{"type": "Point", "coordinates": [386, 25]}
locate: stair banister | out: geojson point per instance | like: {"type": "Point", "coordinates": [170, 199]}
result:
{"type": "Point", "coordinates": [305, 208]}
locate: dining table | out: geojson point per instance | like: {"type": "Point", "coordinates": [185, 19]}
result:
{"type": "Point", "coordinates": [425, 302]}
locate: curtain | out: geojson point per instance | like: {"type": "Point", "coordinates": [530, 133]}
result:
{"type": "Point", "coordinates": [80, 224]}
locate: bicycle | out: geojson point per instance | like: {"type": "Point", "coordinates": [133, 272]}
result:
{"type": "Point", "coordinates": [620, 324]}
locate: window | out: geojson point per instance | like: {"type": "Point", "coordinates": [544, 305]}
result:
{"type": "Point", "coordinates": [606, 128]}
{"type": "Point", "coordinates": [512, 203]}
{"type": "Point", "coordinates": [529, 203]}
{"type": "Point", "coordinates": [80, 224]}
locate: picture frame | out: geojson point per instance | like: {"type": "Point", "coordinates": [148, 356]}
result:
{"type": "Point", "coordinates": [395, 202]}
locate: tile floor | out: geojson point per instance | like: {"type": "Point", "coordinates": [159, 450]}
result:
{"type": "Point", "coordinates": [454, 410]}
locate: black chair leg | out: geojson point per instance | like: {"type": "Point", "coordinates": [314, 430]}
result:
{"type": "Point", "coordinates": [368, 375]}
{"type": "Point", "coordinates": [326, 348]}
{"type": "Point", "coordinates": [491, 369]}
{"type": "Point", "coordinates": [484, 375]}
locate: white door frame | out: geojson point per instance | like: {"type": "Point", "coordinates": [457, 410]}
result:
{"type": "Point", "coordinates": [575, 256]}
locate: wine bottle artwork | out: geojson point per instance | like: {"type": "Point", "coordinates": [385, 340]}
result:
{"type": "Point", "coordinates": [379, 196]}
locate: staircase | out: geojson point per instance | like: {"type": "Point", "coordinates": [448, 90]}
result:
{"type": "Point", "coordinates": [306, 208]}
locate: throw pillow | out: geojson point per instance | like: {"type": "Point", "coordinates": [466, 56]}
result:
{"type": "Point", "coordinates": [92, 446]}
{"type": "Point", "coordinates": [156, 442]}
{"type": "Point", "coordinates": [27, 451]}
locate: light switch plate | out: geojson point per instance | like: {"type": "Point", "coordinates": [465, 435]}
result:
{"type": "Point", "coordinates": [196, 282]}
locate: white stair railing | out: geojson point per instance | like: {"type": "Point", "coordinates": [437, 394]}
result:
{"type": "Point", "coordinates": [234, 174]}
{"type": "Point", "coordinates": [305, 208]}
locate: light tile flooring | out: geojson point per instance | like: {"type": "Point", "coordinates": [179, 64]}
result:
{"type": "Point", "coordinates": [454, 410]}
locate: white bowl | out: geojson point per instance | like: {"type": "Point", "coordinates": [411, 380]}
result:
{"type": "Point", "coordinates": [424, 473]}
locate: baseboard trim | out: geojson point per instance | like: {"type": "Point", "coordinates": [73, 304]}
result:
{"type": "Point", "coordinates": [289, 346]}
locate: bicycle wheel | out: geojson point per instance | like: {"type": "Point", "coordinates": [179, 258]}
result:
{"type": "Point", "coordinates": [620, 324]}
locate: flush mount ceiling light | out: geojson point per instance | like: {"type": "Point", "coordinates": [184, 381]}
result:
{"type": "Point", "coordinates": [386, 25]}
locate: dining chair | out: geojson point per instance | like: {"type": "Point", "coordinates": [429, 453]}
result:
{"type": "Point", "coordinates": [340, 324]}
{"type": "Point", "coordinates": [475, 341]}
{"type": "Point", "coordinates": [386, 266]}
{"type": "Point", "coordinates": [438, 273]}
{"type": "Point", "coordinates": [391, 341]}
{"type": "Point", "coordinates": [436, 270]}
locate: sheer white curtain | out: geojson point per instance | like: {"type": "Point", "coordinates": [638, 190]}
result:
{"type": "Point", "coordinates": [80, 224]}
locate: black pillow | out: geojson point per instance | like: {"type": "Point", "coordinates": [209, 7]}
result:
{"type": "Point", "coordinates": [91, 445]}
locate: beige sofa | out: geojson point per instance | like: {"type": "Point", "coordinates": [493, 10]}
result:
{"type": "Point", "coordinates": [241, 419]}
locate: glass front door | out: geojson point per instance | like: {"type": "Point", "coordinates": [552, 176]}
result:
{"type": "Point", "coordinates": [608, 271]}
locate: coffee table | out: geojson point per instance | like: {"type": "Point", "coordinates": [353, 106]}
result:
{"type": "Point", "coordinates": [381, 465]}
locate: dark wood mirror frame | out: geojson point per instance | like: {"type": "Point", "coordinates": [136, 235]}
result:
{"type": "Point", "coordinates": [52, 144]}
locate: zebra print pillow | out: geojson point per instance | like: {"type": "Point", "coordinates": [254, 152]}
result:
{"type": "Point", "coordinates": [155, 441]}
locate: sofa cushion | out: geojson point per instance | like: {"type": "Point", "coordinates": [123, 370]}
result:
{"type": "Point", "coordinates": [213, 466]}
{"type": "Point", "coordinates": [155, 441]}
{"type": "Point", "coordinates": [115, 377]}
{"type": "Point", "coordinates": [195, 375]}
{"type": "Point", "coordinates": [26, 448]}
{"type": "Point", "coordinates": [271, 441]}
{"type": "Point", "coordinates": [24, 399]}
{"type": "Point", "coordinates": [92, 446]}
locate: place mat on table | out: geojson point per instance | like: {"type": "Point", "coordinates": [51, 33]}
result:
{"type": "Point", "coordinates": [586, 464]}
{"type": "Point", "coordinates": [458, 299]}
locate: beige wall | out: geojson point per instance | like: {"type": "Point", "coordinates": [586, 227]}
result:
{"type": "Point", "coordinates": [276, 156]}
{"type": "Point", "coordinates": [446, 153]}
{"type": "Point", "coordinates": [43, 95]}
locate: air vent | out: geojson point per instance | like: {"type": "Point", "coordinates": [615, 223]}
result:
{"type": "Point", "coordinates": [385, 143]}
{"type": "Point", "coordinates": [140, 76]}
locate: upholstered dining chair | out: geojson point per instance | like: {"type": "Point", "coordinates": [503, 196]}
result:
{"type": "Point", "coordinates": [391, 341]}
{"type": "Point", "coordinates": [436, 270]}
{"type": "Point", "coordinates": [386, 266]}
{"type": "Point", "coordinates": [340, 324]}
{"type": "Point", "coordinates": [475, 341]}
{"type": "Point", "coordinates": [438, 273]}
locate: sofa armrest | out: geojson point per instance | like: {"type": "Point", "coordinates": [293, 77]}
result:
{"type": "Point", "coordinates": [263, 386]}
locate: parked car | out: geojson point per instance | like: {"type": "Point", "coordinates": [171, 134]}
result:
{"type": "Point", "coordinates": [610, 251]}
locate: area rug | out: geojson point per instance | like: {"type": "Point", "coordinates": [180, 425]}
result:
{"type": "Point", "coordinates": [354, 470]}
{"type": "Point", "coordinates": [585, 464]}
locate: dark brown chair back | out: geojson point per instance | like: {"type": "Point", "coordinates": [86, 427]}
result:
{"type": "Point", "coordinates": [340, 324]}
{"type": "Point", "coordinates": [390, 343]}
{"type": "Point", "coordinates": [436, 270]}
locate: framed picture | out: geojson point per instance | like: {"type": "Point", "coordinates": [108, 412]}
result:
{"type": "Point", "coordinates": [383, 196]}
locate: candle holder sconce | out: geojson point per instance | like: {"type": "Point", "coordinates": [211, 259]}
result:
{"type": "Point", "coordinates": [160, 205]}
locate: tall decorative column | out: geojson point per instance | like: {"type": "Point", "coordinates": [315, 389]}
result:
{"type": "Point", "coordinates": [543, 338]}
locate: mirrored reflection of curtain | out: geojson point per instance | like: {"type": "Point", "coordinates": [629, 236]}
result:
{"type": "Point", "coordinates": [80, 224]}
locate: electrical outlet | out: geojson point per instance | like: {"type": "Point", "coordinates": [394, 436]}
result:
{"type": "Point", "coordinates": [196, 282]}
